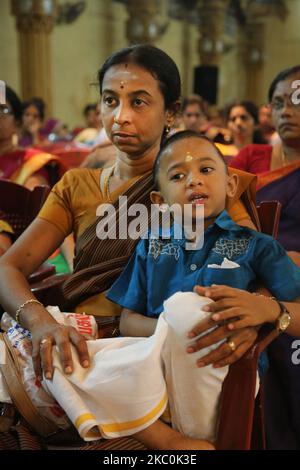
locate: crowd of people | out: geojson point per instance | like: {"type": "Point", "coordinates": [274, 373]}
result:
{"type": "Point", "coordinates": [153, 150]}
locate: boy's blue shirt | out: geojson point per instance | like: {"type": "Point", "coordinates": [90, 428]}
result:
{"type": "Point", "coordinates": [160, 267]}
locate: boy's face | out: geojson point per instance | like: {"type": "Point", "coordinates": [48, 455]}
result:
{"type": "Point", "coordinates": [192, 172]}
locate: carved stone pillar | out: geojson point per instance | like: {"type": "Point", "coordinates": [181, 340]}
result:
{"type": "Point", "coordinates": [142, 25]}
{"type": "Point", "coordinates": [212, 19]}
{"type": "Point", "coordinates": [253, 58]}
{"type": "Point", "coordinates": [35, 20]}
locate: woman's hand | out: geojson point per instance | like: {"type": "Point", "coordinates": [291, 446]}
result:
{"type": "Point", "coordinates": [240, 311]}
{"type": "Point", "coordinates": [49, 333]}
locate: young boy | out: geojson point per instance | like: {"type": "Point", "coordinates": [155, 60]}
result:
{"type": "Point", "coordinates": [233, 261]}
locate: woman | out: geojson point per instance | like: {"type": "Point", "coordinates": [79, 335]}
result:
{"type": "Point", "coordinates": [32, 123]}
{"type": "Point", "coordinates": [278, 172]}
{"type": "Point", "coordinates": [140, 89]}
{"type": "Point", "coordinates": [28, 167]}
{"type": "Point", "coordinates": [278, 167]}
{"type": "Point", "coordinates": [242, 120]}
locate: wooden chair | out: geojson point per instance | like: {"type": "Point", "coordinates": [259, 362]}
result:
{"type": "Point", "coordinates": [19, 206]}
{"type": "Point", "coordinates": [269, 216]}
{"type": "Point", "coordinates": [241, 420]}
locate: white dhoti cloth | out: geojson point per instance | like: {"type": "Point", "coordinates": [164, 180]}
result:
{"type": "Point", "coordinates": [131, 380]}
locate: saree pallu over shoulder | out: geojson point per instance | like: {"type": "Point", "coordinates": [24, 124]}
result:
{"type": "Point", "coordinates": [32, 163]}
{"type": "Point", "coordinates": [246, 192]}
{"type": "Point", "coordinates": [274, 175]}
{"type": "Point", "coordinates": [99, 262]}
{"type": "Point", "coordinates": [282, 185]}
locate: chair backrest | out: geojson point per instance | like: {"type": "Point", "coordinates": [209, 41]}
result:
{"type": "Point", "coordinates": [241, 422]}
{"type": "Point", "coordinates": [269, 216]}
{"type": "Point", "coordinates": [19, 206]}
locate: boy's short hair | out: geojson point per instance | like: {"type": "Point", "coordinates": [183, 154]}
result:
{"type": "Point", "coordinates": [175, 138]}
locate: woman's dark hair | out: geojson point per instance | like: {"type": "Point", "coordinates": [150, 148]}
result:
{"type": "Point", "coordinates": [193, 99]}
{"type": "Point", "coordinates": [155, 61]}
{"type": "Point", "coordinates": [283, 75]}
{"type": "Point", "coordinates": [15, 103]}
{"type": "Point", "coordinates": [251, 109]}
{"type": "Point", "coordinates": [176, 138]}
{"type": "Point", "coordinates": [38, 103]}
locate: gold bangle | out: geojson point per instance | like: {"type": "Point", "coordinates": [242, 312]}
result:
{"type": "Point", "coordinates": [19, 309]}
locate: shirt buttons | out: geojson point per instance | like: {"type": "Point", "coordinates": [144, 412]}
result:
{"type": "Point", "coordinates": [193, 267]}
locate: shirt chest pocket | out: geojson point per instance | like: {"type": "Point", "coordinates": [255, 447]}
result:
{"type": "Point", "coordinates": [233, 277]}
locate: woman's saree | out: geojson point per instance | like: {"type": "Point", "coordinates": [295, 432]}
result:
{"type": "Point", "coordinates": [283, 185]}
{"type": "Point", "coordinates": [282, 381]}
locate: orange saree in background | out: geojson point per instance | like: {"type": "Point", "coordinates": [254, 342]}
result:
{"type": "Point", "coordinates": [20, 164]}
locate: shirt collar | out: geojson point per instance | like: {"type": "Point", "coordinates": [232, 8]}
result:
{"type": "Point", "coordinates": [223, 221]}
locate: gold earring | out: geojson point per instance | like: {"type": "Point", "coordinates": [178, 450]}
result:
{"type": "Point", "coordinates": [115, 120]}
{"type": "Point", "coordinates": [167, 129]}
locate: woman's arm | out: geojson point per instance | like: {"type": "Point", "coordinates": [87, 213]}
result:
{"type": "Point", "coordinates": [135, 324]}
{"type": "Point", "coordinates": [243, 337]}
{"type": "Point", "coordinates": [34, 246]}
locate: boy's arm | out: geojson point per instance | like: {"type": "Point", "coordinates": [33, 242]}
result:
{"type": "Point", "coordinates": [135, 324]}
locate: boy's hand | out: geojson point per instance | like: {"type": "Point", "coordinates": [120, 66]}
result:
{"type": "Point", "coordinates": [238, 308]}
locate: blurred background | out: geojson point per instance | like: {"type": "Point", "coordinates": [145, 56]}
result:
{"type": "Point", "coordinates": [225, 49]}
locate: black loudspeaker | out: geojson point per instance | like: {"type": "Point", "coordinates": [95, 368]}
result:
{"type": "Point", "coordinates": [206, 82]}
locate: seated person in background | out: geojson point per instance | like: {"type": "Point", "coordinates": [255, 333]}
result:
{"type": "Point", "coordinates": [92, 116]}
{"type": "Point", "coordinates": [102, 156]}
{"type": "Point", "coordinates": [242, 122]}
{"type": "Point", "coordinates": [278, 166]}
{"type": "Point", "coordinates": [193, 114]}
{"type": "Point", "coordinates": [230, 265]}
{"type": "Point", "coordinates": [266, 125]}
{"type": "Point", "coordinates": [28, 167]}
{"type": "Point", "coordinates": [278, 170]}
{"type": "Point", "coordinates": [33, 117]}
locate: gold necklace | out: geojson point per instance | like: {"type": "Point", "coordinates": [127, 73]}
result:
{"type": "Point", "coordinates": [106, 184]}
{"type": "Point", "coordinates": [283, 158]}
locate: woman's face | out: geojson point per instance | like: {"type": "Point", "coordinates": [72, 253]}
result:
{"type": "Point", "coordinates": [133, 109]}
{"type": "Point", "coordinates": [285, 113]}
{"type": "Point", "coordinates": [241, 123]}
{"type": "Point", "coordinates": [31, 119]}
{"type": "Point", "coordinates": [193, 117]}
{"type": "Point", "coordinates": [93, 118]}
{"type": "Point", "coordinates": [7, 122]}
